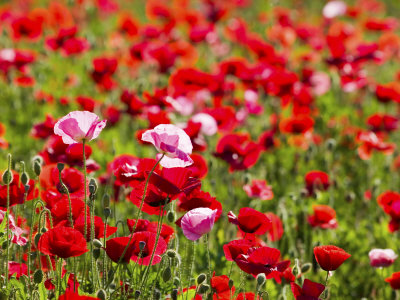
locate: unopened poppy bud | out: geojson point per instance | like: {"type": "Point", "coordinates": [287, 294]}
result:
{"type": "Point", "coordinates": [97, 243]}
{"type": "Point", "coordinates": [305, 268]}
{"type": "Point", "coordinates": [247, 178]}
{"type": "Point", "coordinates": [261, 279]}
{"type": "Point", "coordinates": [350, 197]}
{"type": "Point", "coordinates": [174, 294]}
{"type": "Point", "coordinates": [37, 168]}
{"type": "Point", "coordinates": [43, 230]}
{"type": "Point", "coordinates": [93, 186]}
{"type": "Point", "coordinates": [107, 212]}
{"type": "Point", "coordinates": [177, 281]}
{"type": "Point", "coordinates": [171, 216]}
{"type": "Point", "coordinates": [142, 244]}
{"type": "Point", "coordinates": [37, 238]}
{"type": "Point", "coordinates": [201, 278]}
{"type": "Point", "coordinates": [4, 245]}
{"type": "Point", "coordinates": [167, 274]}
{"type": "Point", "coordinates": [60, 166]}
{"type": "Point", "coordinates": [96, 253]}
{"type": "Point", "coordinates": [38, 276]}
{"type": "Point", "coordinates": [203, 288]}
{"type": "Point", "coordinates": [137, 294]}
{"type": "Point", "coordinates": [24, 178]}
{"type": "Point", "coordinates": [106, 200]}
{"type": "Point", "coordinates": [26, 187]}
{"type": "Point", "coordinates": [296, 269]}
{"type": "Point", "coordinates": [7, 177]}
{"type": "Point", "coordinates": [171, 253]}
{"type": "Point", "coordinates": [101, 294]}
{"type": "Point", "coordinates": [112, 286]}
{"type": "Point", "coordinates": [230, 284]}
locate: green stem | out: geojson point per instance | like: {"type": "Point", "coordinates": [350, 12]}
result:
{"type": "Point", "coordinates": [8, 216]}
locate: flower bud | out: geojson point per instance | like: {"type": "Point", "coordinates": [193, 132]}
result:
{"type": "Point", "coordinates": [171, 253]}
{"type": "Point", "coordinates": [60, 166]}
{"type": "Point", "coordinates": [201, 278]}
{"type": "Point", "coordinates": [97, 243]}
{"type": "Point", "coordinates": [137, 294]}
{"type": "Point", "coordinates": [203, 288]}
{"type": "Point", "coordinates": [37, 168]}
{"type": "Point", "coordinates": [171, 216]}
{"type": "Point", "coordinates": [101, 294]}
{"type": "Point", "coordinates": [261, 279]}
{"type": "Point", "coordinates": [174, 294]}
{"type": "Point", "coordinates": [230, 284]}
{"type": "Point", "coordinates": [177, 281]}
{"type": "Point", "coordinates": [37, 238]}
{"type": "Point", "coordinates": [7, 177]}
{"type": "Point", "coordinates": [38, 276]}
{"type": "Point", "coordinates": [96, 253]}
{"type": "Point", "coordinates": [93, 186]}
{"type": "Point", "coordinates": [167, 274]}
{"type": "Point", "coordinates": [106, 200]}
{"type": "Point", "coordinates": [107, 212]}
{"type": "Point", "coordinates": [43, 230]}
{"type": "Point", "coordinates": [24, 178]}
{"type": "Point", "coordinates": [306, 267]}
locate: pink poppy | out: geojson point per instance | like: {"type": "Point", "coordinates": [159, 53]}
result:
{"type": "Point", "coordinates": [381, 257]}
{"type": "Point", "coordinates": [259, 189]}
{"type": "Point", "coordinates": [78, 126]}
{"type": "Point", "coordinates": [173, 142]}
{"type": "Point", "coordinates": [197, 222]}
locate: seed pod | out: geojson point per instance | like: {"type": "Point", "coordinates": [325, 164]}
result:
{"type": "Point", "coordinates": [7, 177]}
{"type": "Point", "coordinates": [4, 245]}
{"type": "Point", "coordinates": [93, 186]}
{"type": "Point", "coordinates": [203, 288]}
{"type": "Point", "coordinates": [38, 276]}
{"type": "Point", "coordinates": [201, 278]}
{"type": "Point", "coordinates": [167, 274]}
{"type": "Point", "coordinates": [106, 200]}
{"type": "Point", "coordinates": [101, 294]}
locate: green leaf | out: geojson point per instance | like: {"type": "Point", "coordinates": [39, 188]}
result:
{"type": "Point", "coordinates": [19, 287]}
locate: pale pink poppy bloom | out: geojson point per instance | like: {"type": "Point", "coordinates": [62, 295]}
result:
{"type": "Point", "coordinates": [209, 125]}
{"type": "Point", "coordinates": [79, 126]}
{"type": "Point", "coordinates": [334, 9]}
{"type": "Point", "coordinates": [320, 82]}
{"type": "Point", "coordinates": [16, 231]}
{"type": "Point", "coordinates": [381, 257]}
{"type": "Point", "coordinates": [259, 189]}
{"type": "Point", "coordinates": [197, 222]}
{"type": "Point", "coordinates": [173, 142]}
{"type": "Point", "coordinates": [181, 104]}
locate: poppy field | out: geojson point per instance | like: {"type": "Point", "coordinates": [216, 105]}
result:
{"type": "Point", "coordinates": [199, 149]}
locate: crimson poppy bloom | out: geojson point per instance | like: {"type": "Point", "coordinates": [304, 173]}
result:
{"type": "Point", "coordinates": [394, 280]}
{"type": "Point", "coordinates": [220, 286]}
{"type": "Point", "coordinates": [103, 69]}
{"type": "Point", "coordinates": [63, 242]}
{"type": "Point", "coordinates": [276, 230]}
{"type": "Point", "coordinates": [389, 201]}
{"type": "Point", "coordinates": [142, 257]}
{"type": "Point", "coordinates": [236, 247]}
{"type": "Point", "coordinates": [369, 142]}
{"type": "Point", "coordinates": [17, 268]}
{"type": "Point", "coordinates": [382, 122]}
{"type": "Point", "coordinates": [330, 257]}
{"type": "Point", "coordinates": [98, 227]}
{"type": "Point", "coordinates": [238, 150]}
{"type": "Point", "coordinates": [17, 192]}
{"type": "Point", "coordinates": [297, 124]}
{"type": "Point", "coordinates": [324, 217]}
{"type": "Point", "coordinates": [263, 260]}
{"type": "Point", "coordinates": [167, 232]}
{"type": "Point", "coordinates": [250, 220]}
{"type": "Point", "coordinates": [116, 246]}
{"type": "Point", "coordinates": [26, 27]}
{"type": "Point", "coordinates": [316, 180]}
{"type": "Point", "coordinates": [309, 291]}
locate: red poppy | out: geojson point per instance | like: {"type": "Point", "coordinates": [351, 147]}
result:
{"type": "Point", "coordinates": [238, 150]}
{"type": "Point", "coordinates": [70, 295]}
{"type": "Point", "coordinates": [299, 124]}
{"type": "Point", "coordinates": [63, 242]}
{"type": "Point", "coordinates": [259, 189]}
{"type": "Point", "coordinates": [197, 199]}
{"type": "Point", "coordinates": [167, 232]}
{"type": "Point", "coordinates": [116, 246]}
{"type": "Point", "coordinates": [388, 92]}
{"type": "Point", "coordinates": [369, 142]}
{"type": "Point", "coordinates": [382, 122]}
{"type": "Point", "coordinates": [98, 227]}
{"type": "Point", "coordinates": [324, 217]}
{"type": "Point", "coordinates": [220, 286]}
{"type": "Point", "coordinates": [276, 231]}
{"type": "Point", "coordinates": [234, 248]}
{"type": "Point", "coordinates": [60, 211]}
{"type": "Point", "coordinates": [26, 27]}
{"type": "Point", "coordinates": [17, 192]}
{"type": "Point", "coordinates": [250, 220]}
{"type": "Point", "coordinates": [309, 291]}
{"type": "Point", "coordinates": [330, 257]}
{"type": "Point", "coordinates": [199, 167]}
{"type": "Point", "coordinates": [316, 180]}
{"type": "Point", "coordinates": [142, 257]}
{"type": "Point", "coordinates": [390, 203]}
{"type": "Point", "coordinates": [394, 280]}
{"type": "Point", "coordinates": [17, 268]}
{"type": "Point", "coordinates": [45, 129]}
{"type": "Point", "coordinates": [103, 69]}
{"type": "Point", "coordinates": [263, 260]}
